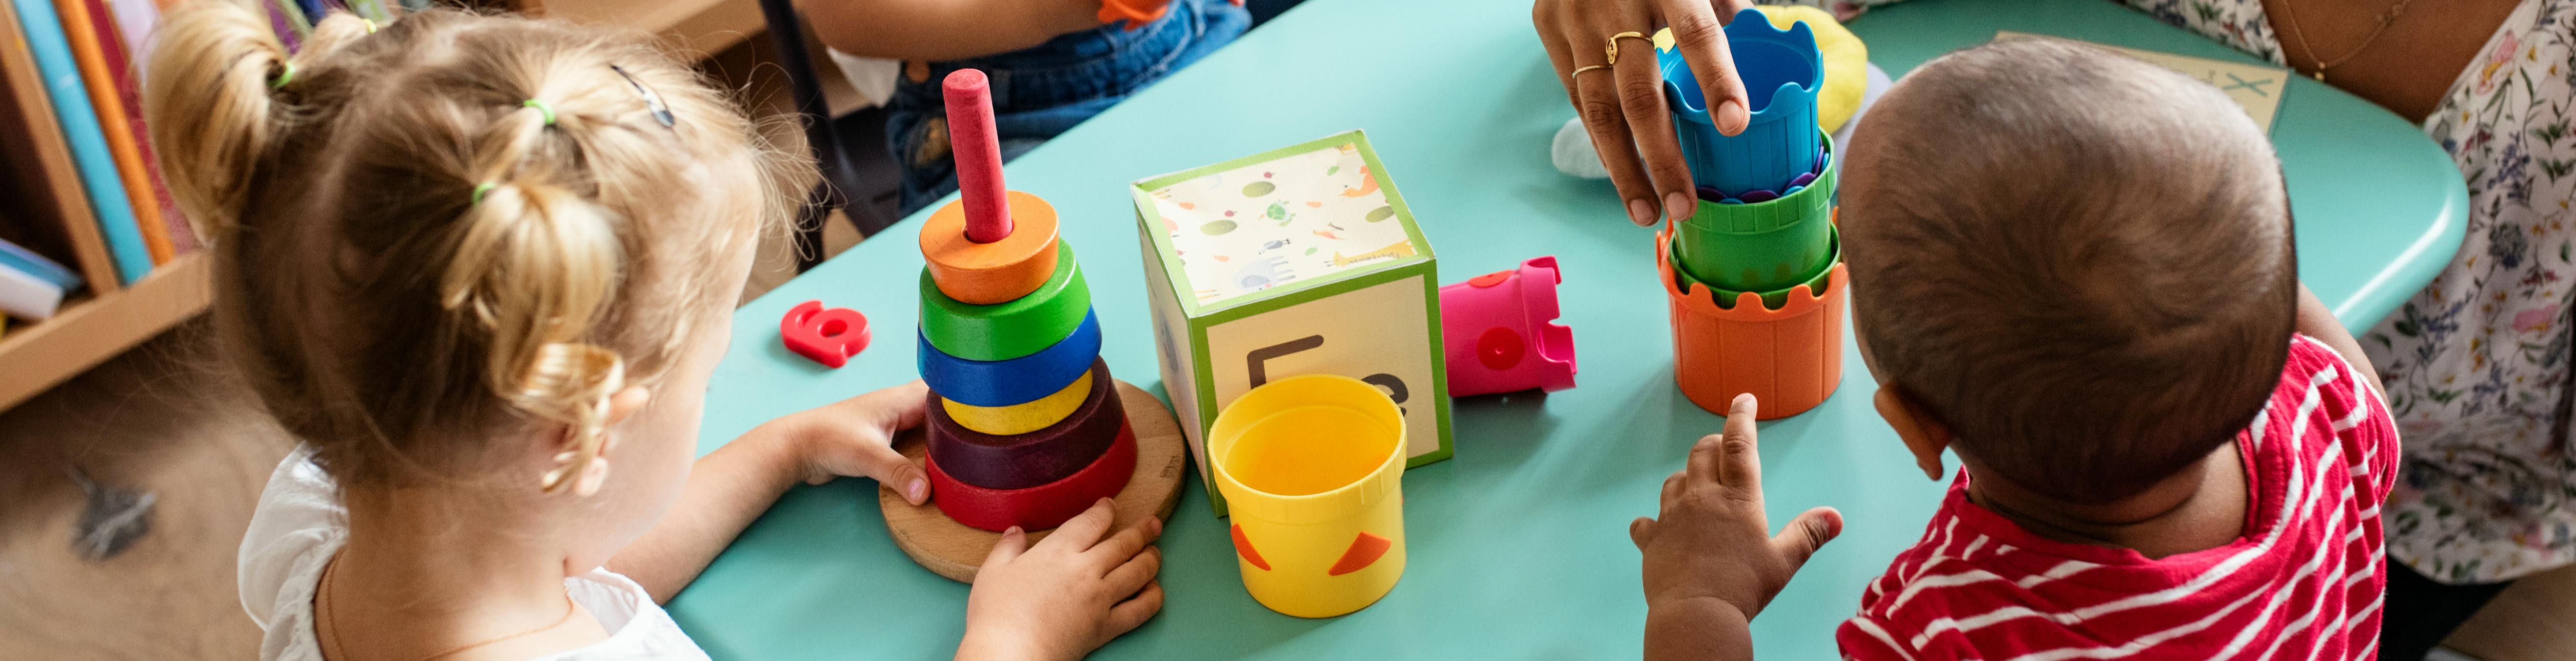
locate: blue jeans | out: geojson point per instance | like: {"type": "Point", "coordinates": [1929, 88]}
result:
{"type": "Point", "coordinates": [1042, 91]}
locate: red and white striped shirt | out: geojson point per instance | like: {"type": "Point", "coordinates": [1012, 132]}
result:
{"type": "Point", "coordinates": [2304, 582]}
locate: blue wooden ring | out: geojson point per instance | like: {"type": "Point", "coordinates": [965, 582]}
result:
{"type": "Point", "coordinates": [1016, 381]}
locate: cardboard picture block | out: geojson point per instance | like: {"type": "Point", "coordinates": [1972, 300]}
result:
{"type": "Point", "coordinates": [1299, 260]}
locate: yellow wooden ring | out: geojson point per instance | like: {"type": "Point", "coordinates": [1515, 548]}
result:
{"type": "Point", "coordinates": [1023, 418]}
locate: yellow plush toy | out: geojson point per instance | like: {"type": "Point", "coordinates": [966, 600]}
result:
{"type": "Point", "coordinates": [1846, 60]}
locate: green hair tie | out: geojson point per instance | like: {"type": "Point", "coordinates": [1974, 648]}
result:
{"type": "Point", "coordinates": [480, 189]}
{"type": "Point", "coordinates": [547, 108]}
{"type": "Point", "coordinates": [284, 75]}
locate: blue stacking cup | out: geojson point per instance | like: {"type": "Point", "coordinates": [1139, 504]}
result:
{"type": "Point", "coordinates": [1782, 71]}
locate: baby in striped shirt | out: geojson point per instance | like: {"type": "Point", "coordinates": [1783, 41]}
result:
{"type": "Point", "coordinates": [2074, 270]}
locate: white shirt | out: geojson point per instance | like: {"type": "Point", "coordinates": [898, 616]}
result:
{"type": "Point", "coordinates": [301, 523]}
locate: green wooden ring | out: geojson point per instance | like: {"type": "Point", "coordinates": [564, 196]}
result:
{"type": "Point", "coordinates": [1010, 330]}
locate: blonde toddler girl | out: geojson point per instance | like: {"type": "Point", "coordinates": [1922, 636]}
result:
{"type": "Point", "coordinates": [473, 264]}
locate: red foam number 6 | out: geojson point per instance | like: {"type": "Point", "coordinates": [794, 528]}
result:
{"type": "Point", "coordinates": [828, 335]}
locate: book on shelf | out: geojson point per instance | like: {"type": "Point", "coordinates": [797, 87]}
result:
{"type": "Point", "coordinates": [26, 261]}
{"type": "Point", "coordinates": [88, 37]}
{"type": "Point", "coordinates": [124, 47]}
{"type": "Point", "coordinates": [28, 297]}
{"type": "Point", "coordinates": [105, 188]}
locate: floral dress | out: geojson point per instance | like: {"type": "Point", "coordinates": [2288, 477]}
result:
{"type": "Point", "coordinates": [2477, 363]}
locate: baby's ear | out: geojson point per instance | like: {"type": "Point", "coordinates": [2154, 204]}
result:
{"type": "Point", "coordinates": [1923, 436]}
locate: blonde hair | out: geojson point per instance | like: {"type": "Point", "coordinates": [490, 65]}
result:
{"type": "Point", "coordinates": [410, 254]}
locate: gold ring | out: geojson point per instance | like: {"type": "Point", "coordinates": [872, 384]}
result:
{"type": "Point", "coordinates": [1579, 70]}
{"type": "Point", "coordinates": [1613, 48]}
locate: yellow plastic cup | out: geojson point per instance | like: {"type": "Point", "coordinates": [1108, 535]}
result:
{"type": "Point", "coordinates": [1311, 468]}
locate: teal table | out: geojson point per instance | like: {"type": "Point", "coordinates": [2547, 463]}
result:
{"type": "Point", "coordinates": [1519, 545]}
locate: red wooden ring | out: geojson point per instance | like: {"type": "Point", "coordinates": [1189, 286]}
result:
{"type": "Point", "coordinates": [1036, 458]}
{"type": "Point", "coordinates": [1039, 507]}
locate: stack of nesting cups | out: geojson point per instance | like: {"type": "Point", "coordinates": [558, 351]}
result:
{"type": "Point", "coordinates": [1755, 276]}
{"type": "Point", "coordinates": [1024, 422]}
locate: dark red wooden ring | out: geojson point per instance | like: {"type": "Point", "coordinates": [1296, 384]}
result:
{"type": "Point", "coordinates": [1026, 460]}
{"type": "Point", "coordinates": [1039, 507]}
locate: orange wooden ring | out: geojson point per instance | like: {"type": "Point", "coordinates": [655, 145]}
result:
{"type": "Point", "coordinates": [997, 272]}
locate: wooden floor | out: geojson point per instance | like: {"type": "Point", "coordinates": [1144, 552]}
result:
{"type": "Point", "coordinates": [156, 420]}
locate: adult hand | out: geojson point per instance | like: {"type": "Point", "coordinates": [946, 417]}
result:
{"type": "Point", "coordinates": [1622, 103]}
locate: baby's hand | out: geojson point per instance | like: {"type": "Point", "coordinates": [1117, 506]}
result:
{"type": "Point", "coordinates": [1710, 555]}
{"type": "Point", "coordinates": [1066, 596]}
{"type": "Point", "coordinates": [855, 438]}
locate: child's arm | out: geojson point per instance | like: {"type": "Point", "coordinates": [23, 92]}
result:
{"type": "Point", "coordinates": [938, 30]}
{"type": "Point", "coordinates": [1711, 563]}
{"type": "Point", "coordinates": [733, 485]}
{"type": "Point", "coordinates": [1058, 599]}
{"type": "Point", "coordinates": [2316, 321]}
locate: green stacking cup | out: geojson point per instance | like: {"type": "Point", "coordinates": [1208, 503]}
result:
{"type": "Point", "coordinates": [1761, 246]}
{"type": "Point", "coordinates": [1772, 299]}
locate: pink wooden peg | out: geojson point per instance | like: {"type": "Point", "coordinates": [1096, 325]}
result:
{"type": "Point", "coordinates": [979, 155]}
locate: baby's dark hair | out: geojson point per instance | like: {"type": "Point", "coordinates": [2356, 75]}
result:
{"type": "Point", "coordinates": [2078, 262]}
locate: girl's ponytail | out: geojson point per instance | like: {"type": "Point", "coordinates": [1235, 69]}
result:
{"type": "Point", "coordinates": [210, 104]}
{"type": "Point", "coordinates": [534, 271]}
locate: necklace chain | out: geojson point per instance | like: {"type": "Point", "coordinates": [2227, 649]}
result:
{"type": "Point", "coordinates": [2385, 18]}
{"type": "Point", "coordinates": [330, 616]}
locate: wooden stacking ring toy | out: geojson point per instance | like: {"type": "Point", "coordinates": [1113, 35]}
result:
{"type": "Point", "coordinates": [1020, 418]}
{"type": "Point", "coordinates": [997, 272]}
{"type": "Point", "coordinates": [1027, 460]}
{"type": "Point", "coordinates": [1039, 507]}
{"type": "Point", "coordinates": [1010, 330]}
{"type": "Point", "coordinates": [1015, 381]}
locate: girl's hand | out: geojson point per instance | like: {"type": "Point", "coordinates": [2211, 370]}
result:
{"type": "Point", "coordinates": [1623, 104]}
{"type": "Point", "coordinates": [1066, 596]}
{"type": "Point", "coordinates": [1711, 563]}
{"type": "Point", "coordinates": [855, 438]}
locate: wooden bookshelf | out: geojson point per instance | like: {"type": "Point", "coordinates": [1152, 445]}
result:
{"type": "Point", "coordinates": [44, 206]}
{"type": "Point", "coordinates": [38, 356]}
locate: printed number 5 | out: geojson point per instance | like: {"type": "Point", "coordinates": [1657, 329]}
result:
{"type": "Point", "coordinates": [1255, 366]}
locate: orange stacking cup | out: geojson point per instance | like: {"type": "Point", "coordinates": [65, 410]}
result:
{"type": "Point", "coordinates": [1790, 357]}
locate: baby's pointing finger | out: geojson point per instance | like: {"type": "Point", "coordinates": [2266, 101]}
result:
{"type": "Point", "coordinates": [1738, 463]}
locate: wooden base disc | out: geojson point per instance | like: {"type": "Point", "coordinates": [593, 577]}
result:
{"type": "Point", "coordinates": [951, 549]}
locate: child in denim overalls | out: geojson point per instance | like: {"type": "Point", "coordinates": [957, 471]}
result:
{"type": "Point", "coordinates": [1038, 92]}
